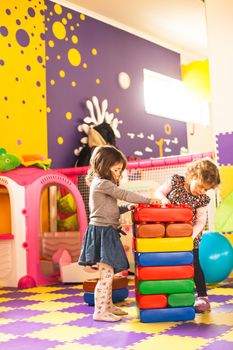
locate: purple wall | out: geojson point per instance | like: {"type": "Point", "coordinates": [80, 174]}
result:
{"type": "Point", "coordinates": [117, 51]}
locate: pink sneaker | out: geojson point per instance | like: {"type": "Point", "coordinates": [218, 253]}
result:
{"type": "Point", "coordinates": [202, 305]}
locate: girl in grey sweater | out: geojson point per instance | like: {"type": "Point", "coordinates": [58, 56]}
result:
{"type": "Point", "coordinates": [101, 243]}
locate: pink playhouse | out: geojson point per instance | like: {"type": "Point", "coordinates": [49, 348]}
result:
{"type": "Point", "coordinates": [28, 251]}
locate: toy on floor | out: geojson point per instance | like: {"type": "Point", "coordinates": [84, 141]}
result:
{"type": "Point", "coordinates": [26, 282]}
{"type": "Point", "coordinates": [71, 272]}
{"type": "Point", "coordinates": [216, 257]}
{"type": "Point", "coordinates": [164, 271]}
{"type": "Point", "coordinates": [119, 289]}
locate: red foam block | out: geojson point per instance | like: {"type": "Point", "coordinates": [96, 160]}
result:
{"type": "Point", "coordinates": [151, 301]}
{"type": "Point", "coordinates": [150, 213]}
{"type": "Point", "coordinates": [145, 273]}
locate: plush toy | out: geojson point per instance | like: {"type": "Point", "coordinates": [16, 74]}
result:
{"type": "Point", "coordinates": [100, 128]}
{"type": "Point", "coordinates": [35, 160]}
{"type": "Point", "coordinates": [9, 161]}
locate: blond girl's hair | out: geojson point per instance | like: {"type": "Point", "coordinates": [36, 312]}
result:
{"type": "Point", "coordinates": [204, 170]}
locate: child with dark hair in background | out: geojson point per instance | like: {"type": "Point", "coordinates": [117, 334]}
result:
{"type": "Point", "coordinates": [201, 176]}
{"type": "Point", "coordinates": [101, 243]}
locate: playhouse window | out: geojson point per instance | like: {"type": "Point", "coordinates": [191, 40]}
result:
{"type": "Point", "coordinates": [168, 97]}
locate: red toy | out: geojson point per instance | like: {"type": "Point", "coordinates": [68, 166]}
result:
{"type": "Point", "coordinates": [157, 213]}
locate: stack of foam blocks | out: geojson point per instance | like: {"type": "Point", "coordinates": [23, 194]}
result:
{"type": "Point", "coordinates": [119, 289]}
{"type": "Point", "coordinates": [163, 263]}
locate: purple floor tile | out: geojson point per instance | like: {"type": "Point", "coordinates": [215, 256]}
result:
{"type": "Point", "coordinates": [219, 298]}
{"type": "Point", "coordinates": [121, 339]}
{"type": "Point", "coordinates": [9, 288]}
{"type": "Point", "coordinates": [20, 314]}
{"type": "Point", "coordinates": [81, 308]}
{"type": "Point", "coordinates": [69, 291]}
{"type": "Point", "coordinates": [73, 299]}
{"type": "Point", "coordinates": [16, 303]}
{"type": "Point", "coordinates": [22, 327]}
{"type": "Point", "coordinates": [23, 343]}
{"type": "Point", "coordinates": [219, 345]}
{"type": "Point", "coordinates": [198, 330]}
{"type": "Point", "coordinates": [228, 308]}
{"type": "Point", "coordinates": [226, 284]}
{"type": "Point", "coordinates": [230, 285]}
{"type": "Point", "coordinates": [89, 322]}
{"type": "Point", "coordinates": [16, 294]}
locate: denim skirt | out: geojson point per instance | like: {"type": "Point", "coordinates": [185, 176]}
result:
{"type": "Point", "coordinates": [103, 244]}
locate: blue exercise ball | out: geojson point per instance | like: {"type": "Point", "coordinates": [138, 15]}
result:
{"type": "Point", "coordinates": [216, 257]}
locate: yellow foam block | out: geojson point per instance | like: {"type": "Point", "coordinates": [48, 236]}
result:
{"type": "Point", "coordinates": [226, 187]}
{"type": "Point", "coordinates": [176, 244]}
{"type": "Point", "coordinates": [229, 236]}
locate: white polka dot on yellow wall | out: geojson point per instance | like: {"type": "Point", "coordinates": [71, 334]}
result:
{"type": "Point", "coordinates": [62, 74]}
{"type": "Point", "coordinates": [51, 43]}
{"type": "Point", "coordinates": [64, 21]}
{"type": "Point", "coordinates": [117, 110]}
{"type": "Point", "coordinates": [74, 57]}
{"type": "Point", "coordinates": [74, 39]}
{"type": "Point", "coordinates": [94, 52]}
{"type": "Point", "coordinates": [97, 81]}
{"type": "Point", "coordinates": [60, 140]}
{"type": "Point", "coordinates": [52, 82]}
{"type": "Point", "coordinates": [58, 9]}
{"type": "Point", "coordinates": [84, 65]}
{"type": "Point", "coordinates": [68, 115]}
{"type": "Point", "coordinates": [82, 17]}
{"type": "Point", "coordinates": [69, 15]}
{"type": "Point", "coordinates": [59, 30]}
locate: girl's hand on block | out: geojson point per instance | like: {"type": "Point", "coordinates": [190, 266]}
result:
{"type": "Point", "coordinates": [155, 201]}
{"type": "Point", "coordinates": [164, 202]}
{"type": "Point", "coordinates": [132, 206]}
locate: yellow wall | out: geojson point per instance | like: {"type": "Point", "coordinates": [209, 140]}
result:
{"type": "Point", "coordinates": [23, 78]}
{"type": "Point", "coordinates": [196, 78]}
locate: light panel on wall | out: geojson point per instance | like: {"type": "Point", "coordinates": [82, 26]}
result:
{"type": "Point", "coordinates": [169, 98]}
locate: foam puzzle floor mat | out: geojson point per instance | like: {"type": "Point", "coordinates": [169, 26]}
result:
{"type": "Point", "coordinates": [56, 317]}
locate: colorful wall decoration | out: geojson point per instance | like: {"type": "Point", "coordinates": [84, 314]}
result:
{"type": "Point", "coordinates": [53, 59]}
{"type": "Point", "coordinates": [84, 58]}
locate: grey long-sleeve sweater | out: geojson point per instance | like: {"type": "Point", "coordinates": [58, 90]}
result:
{"type": "Point", "coordinates": [104, 194]}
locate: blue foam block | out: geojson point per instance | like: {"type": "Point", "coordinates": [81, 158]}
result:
{"type": "Point", "coordinates": [167, 315]}
{"type": "Point", "coordinates": [117, 296]}
{"type": "Point", "coordinates": [164, 259]}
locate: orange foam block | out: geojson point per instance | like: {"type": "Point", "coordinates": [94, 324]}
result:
{"type": "Point", "coordinates": [150, 230]}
